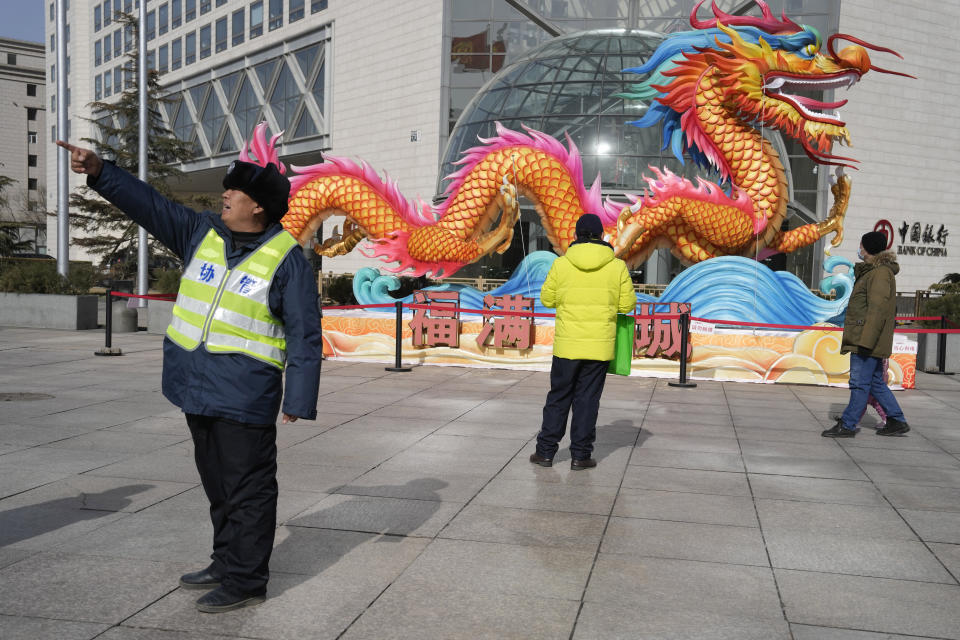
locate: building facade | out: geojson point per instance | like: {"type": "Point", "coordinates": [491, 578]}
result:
{"type": "Point", "coordinates": [22, 125]}
{"type": "Point", "coordinates": [387, 81]}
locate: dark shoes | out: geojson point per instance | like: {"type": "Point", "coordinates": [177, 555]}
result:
{"type": "Point", "coordinates": [584, 463]}
{"type": "Point", "coordinates": [220, 600]}
{"type": "Point", "coordinates": [203, 579]}
{"type": "Point", "coordinates": [893, 427]}
{"type": "Point", "coordinates": [839, 431]}
{"type": "Point", "coordinates": [540, 460]}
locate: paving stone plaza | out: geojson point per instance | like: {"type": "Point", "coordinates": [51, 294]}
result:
{"type": "Point", "coordinates": [408, 509]}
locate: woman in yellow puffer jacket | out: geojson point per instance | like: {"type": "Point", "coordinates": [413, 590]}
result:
{"type": "Point", "coordinates": [588, 287]}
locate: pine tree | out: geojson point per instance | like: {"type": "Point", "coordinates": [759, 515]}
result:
{"type": "Point", "coordinates": [10, 242]}
{"type": "Point", "coordinates": [109, 233]}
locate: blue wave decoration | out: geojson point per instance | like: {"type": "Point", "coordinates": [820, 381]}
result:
{"type": "Point", "coordinates": [725, 288]}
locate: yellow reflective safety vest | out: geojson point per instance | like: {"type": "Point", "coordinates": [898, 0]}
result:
{"type": "Point", "coordinates": [228, 310]}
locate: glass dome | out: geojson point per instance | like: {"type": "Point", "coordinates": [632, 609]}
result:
{"type": "Point", "coordinates": [568, 86]}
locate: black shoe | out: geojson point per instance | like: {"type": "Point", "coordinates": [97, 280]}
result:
{"type": "Point", "coordinates": [540, 460]}
{"type": "Point", "coordinates": [839, 431]}
{"type": "Point", "coordinates": [583, 463]}
{"type": "Point", "coordinates": [220, 600]}
{"type": "Point", "coordinates": [894, 427]}
{"type": "Point", "coordinates": [203, 579]}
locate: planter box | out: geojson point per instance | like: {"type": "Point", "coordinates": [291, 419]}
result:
{"type": "Point", "coordinates": [927, 351]}
{"type": "Point", "coordinates": [159, 314]}
{"type": "Point", "coordinates": [48, 311]}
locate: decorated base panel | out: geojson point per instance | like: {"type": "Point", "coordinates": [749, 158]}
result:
{"type": "Point", "coordinates": [797, 357]}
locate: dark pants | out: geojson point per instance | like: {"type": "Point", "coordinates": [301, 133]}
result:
{"type": "Point", "coordinates": [238, 467]}
{"type": "Point", "coordinates": [578, 383]}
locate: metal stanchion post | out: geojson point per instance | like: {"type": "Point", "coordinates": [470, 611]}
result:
{"type": "Point", "coordinates": [684, 332]}
{"type": "Point", "coordinates": [108, 349]}
{"type": "Point", "coordinates": [942, 351]}
{"type": "Point", "coordinates": [397, 365]}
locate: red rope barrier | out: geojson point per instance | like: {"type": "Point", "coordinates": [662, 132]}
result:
{"type": "Point", "coordinates": [166, 297]}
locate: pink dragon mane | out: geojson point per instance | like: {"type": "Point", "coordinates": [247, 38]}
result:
{"type": "Point", "coordinates": [262, 151]}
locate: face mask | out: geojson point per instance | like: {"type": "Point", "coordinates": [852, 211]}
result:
{"type": "Point", "coordinates": [860, 254]}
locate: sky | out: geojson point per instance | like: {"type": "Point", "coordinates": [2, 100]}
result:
{"type": "Point", "coordinates": [22, 19]}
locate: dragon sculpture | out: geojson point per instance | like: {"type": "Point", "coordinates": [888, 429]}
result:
{"type": "Point", "coordinates": [712, 89]}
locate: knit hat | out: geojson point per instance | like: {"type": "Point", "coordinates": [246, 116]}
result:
{"type": "Point", "coordinates": [874, 242]}
{"type": "Point", "coordinates": [265, 185]}
{"type": "Point", "coordinates": [589, 226]}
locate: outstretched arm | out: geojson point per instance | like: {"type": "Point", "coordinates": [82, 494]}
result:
{"type": "Point", "coordinates": [170, 222]}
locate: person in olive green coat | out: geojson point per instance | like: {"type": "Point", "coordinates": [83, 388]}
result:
{"type": "Point", "coordinates": [868, 338]}
{"type": "Point", "coordinates": [588, 287]}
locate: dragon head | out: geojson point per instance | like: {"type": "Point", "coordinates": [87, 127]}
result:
{"type": "Point", "coordinates": [758, 70]}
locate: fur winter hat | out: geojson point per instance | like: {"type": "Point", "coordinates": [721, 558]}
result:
{"type": "Point", "coordinates": [874, 242]}
{"type": "Point", "coordinates": [265, 185]}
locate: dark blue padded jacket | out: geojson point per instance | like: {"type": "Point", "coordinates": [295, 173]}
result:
{"type": "Point", "coordinates": [229, 385]}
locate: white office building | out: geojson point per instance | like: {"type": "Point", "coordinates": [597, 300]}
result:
{"type": "Point", "coordinates": [388, 81]}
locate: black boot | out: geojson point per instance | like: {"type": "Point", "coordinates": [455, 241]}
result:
{"type": "Point", "coordinates": [894, 427]}
{"type": "Point", "coordinates": [220, 600]}
{"type": "Point", "coordinates": [839, 431]}
{"type": "Point", "coordinates": [203, 579]}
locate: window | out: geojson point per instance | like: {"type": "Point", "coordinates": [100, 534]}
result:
{"type": "Point", "coordinates": [107, 86]}
{"type": "Point", "coordinates": [53, 42]}
{"type": "Point", "coordinates": [176, 13]}
{"type": "Point", "coordinates": [97, 53]}
{"type": "Point", "coordinates": [204, 42]}
{"type": "Point", "coordinates": [151, 25]}
{"type": "Point", "coordinates": [31, 90]}
{"type": "Point", "coordinates": [32, 183]}
{"type": "Point", "coordinates": [106, 13]}
{"type": "Point", "coordinates": [162, 17]}
{"type": "Point", "coordinates": [190, 10]}
{"type": "Point", "coordinates": [31, 137]}
{"type": "Point", "coordinates": [53, 12]}
{"type": "Point", "coordinates": [107, 48]}
{"type": "Point", "coordinates": [276, 14]}
{"type": "Point", "coordinates": [317, 5]}
{"type": "Point", "coordinates": [11, 58]}
{"type": "Point", "coordinates": [53, 73]}
{"type": "Point", "coordinates": [129, 81]}
{"type": "Point", "coordinates": [238, 31]}
{"type": "Point", "coordinates": [162, 59]}
{"type": "Point", "coordinates": [220, 3]}
{"type": "Point", "coordinates": [96, 17]}
{"type": "Point", "coordinates": [31, 113]}
{"type": "Point", "coordinates": [204, 6]}
{"type": "Point", "coordinates": [221, 34]}
{"type": "Point", "coordinates": [296, 10]}
{"type": "Point", "coordinates": [117, 78]}
{"type": "Point", "coordinates": [53, 104]}
{"type": "Point", "coordinates": [116, 43]}
{"type": "Point", "coordinates": [176, 54]}
{"type": "Point", "coordinates": [190, 48]}
{"type": "Point", "coordinates": [31, 160]}
{"type": "Point", "coordinates": [128, 6]}
{"type": "Point", "coordinates": [256, 19]}
{"type": "Point", "coordinates": [152, 59]}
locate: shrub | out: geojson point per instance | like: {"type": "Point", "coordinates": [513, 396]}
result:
{"type": "Point", "coordinates": [40, 276]}
{"type": "Point", "coordinates": [340, 290]}
{"type": "Point", "coordinates": [946, 305]}
{"type": "Point", "coordinates": [167, 280]}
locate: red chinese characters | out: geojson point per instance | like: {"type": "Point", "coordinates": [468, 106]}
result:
{"type": "Point", "coordinates": [510, 331]}
{"type": "Point", "coordinates": [439, 325]}
{"type": "Point", "coordinates": [656, 337]}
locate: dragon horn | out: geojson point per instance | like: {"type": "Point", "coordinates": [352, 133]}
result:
{"type": "Point", "coordinates": [867, 45]}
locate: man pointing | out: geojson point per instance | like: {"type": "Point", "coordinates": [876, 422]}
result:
{"type": "Point", "coordinates": [246, 312]}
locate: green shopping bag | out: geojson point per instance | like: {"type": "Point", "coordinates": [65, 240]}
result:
{"type": "Point", "coordinates": [623, 350]}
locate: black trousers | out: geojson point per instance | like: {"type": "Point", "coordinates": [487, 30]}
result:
{"type": "Point", "coordinates": [578, 383]}
{"type": "Point", "coordinates": [238, 468]}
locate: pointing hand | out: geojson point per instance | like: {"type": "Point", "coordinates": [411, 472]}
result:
{"type": "Point", "coordinates": [83, 160]}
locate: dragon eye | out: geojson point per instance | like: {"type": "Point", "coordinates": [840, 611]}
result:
{"type": "Point", "coordinates": [811, 49]}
